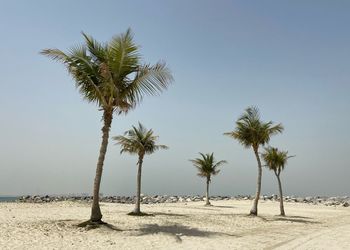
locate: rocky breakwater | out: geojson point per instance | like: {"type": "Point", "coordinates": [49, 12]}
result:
{"type": "Point", "coordinates": [314, 200]}
{"type": "Point", "coordinates": [155, 199]}
{"type": "Point", "coordinates": [145, 199]}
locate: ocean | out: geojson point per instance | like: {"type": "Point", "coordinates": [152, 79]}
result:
{"type": "Point", "coordinates": [7, 198]}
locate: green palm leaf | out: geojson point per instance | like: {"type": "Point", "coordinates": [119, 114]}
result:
{"type": "Point", "coordinates": [250, 131]}
{"type": "Point", "coordinates": [112, 74]}
{"type": "Point", "coordinates": [138, 140]}
{"type": "Point", "coordinates": [275, 159]}
{"type": "Point", "coordinates": [206, 165]}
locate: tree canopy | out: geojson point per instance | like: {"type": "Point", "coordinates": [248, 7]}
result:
{"type": "Point", "coordinates": [207, 165]}
{"type": "Point", "coordinates": [138, 140]}
{"type": "Point", "coordinates": [250, 131]}
{"type": "Point", "coordinates": [111, 74]}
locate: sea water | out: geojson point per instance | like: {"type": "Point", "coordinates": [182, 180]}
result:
{"type": "Point", "coordinates": [7, 198]}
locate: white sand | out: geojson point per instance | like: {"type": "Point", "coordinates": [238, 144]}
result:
{"type": "Point", "coordinates": [175, 226]}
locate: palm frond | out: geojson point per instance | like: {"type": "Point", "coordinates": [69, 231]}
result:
{"type": "Point", "coordinates": [83, 71]}
{"type": "Point", "coordinates": [56, 54]}
{"type": "Point", "coordinates": [110, 74]}
{"type": "Point", "coordinates": [206, 165]}
{"type": "Point", "coordinates": [125, 55]}
{"type": "Point", "coordinates": [138, 140]}
{"type": "Point", "coordinates": [96, 49]}
{"type": "Point", "coordinates": [250, 131]}
{"type": "Point", "coordinates": [275, 159]}
{"type": "Point", "coordinates": [149, 80]}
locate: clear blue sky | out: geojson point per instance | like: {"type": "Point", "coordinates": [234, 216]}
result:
{"type": "Point", "coordinates": [289, 58]}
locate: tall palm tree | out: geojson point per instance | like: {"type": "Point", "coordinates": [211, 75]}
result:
{"type": "Point", "coordinates": [251, 132]}
{"type": "Point", "coordinates": [276, 160]}
{"type": "Point", "coordinates": [207, 166]}
{"type": "Point", "coordinates": [140, 141]}
{"type": "Point", "coordinates": [112, 76]}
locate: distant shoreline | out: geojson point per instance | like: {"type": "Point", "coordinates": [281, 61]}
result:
{"type": "Point", "coordinates": [8, 198]}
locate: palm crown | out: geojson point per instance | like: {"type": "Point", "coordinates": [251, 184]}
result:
{"type": "Point", "coordinates": [251, 131]}
{"type": "Point", "coordinates": [138, 140]}
{"type": "Point", "coordinates": [207, 165]}
{"type": "Point", "coordinates": [111, 74]}
{"type": "Point", "coordinates": [275, 159]}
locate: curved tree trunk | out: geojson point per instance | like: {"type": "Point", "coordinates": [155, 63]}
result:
{"type": "Point", "coordinates": [138, 190]}
{"type": "Point", "coordinates": [254, 209]}
{"type": "Point", "coordinates": [207, 203]}
{"type": "Point", "coordinates": [96, 214]}
{"type": "Point", "coordinates": [281, 195]}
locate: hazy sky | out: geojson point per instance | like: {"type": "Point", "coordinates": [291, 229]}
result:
{"type": "Point", "coordinates": [289, 58]}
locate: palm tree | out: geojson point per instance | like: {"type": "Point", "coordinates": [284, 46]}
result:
{"type": "Point", "coordinates": [112, 76]}
{"type": "Point", "coordinates": [250, 131]}
{"type": "Point", "coordinates": [140, 141]}
{"type": "Point", "coordinates": [207, 166]}
{"type": "Point", "coordinates": [276, 160]}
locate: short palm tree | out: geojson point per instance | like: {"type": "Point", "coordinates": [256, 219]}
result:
{"type": "Point", "coordinates": [139, 141]}
{"type": "Point", "coordinates": [207, 166]}
{"type": "Point", "coordinates": [112, 76]}
{"type": "Point", "coordinates": [251, 132]}
{"type": "Point", "coordinates": [276, 160]}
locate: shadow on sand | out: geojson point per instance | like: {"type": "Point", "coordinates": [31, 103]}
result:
{"type": "Point", "coordinates": [230, 214]}
{"type": "Point", "coordinates": [296, 219]}
{"type": "Point", "coordinates": [88, 225]}
{"type": "Point", "coordinates": [177, 231]}
{"type": "Point", "coordinates": [169, 214]}
{"type": "Point", "coordinates": [223, 206]}
{"type": "Point", "coordinates": [293, 219]}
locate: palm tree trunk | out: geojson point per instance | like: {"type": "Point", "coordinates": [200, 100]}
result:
{"type": "Point", "coordinates": [281, 195]}
{"type": "Point", "coordinates": [207, 203]}
{"type": "Point", "coordinates": [254, 209]}
{"type": "Point", "coordinates": [138, 190]}
{"type": "Point", "coordinates": [96, 214]}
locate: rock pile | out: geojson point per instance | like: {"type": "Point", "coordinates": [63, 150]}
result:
{"type": "Point", "coordinates": [147, 199]}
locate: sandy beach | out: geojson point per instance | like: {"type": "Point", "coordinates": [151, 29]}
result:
{"type": "Point", "coordinates": [225, 225]}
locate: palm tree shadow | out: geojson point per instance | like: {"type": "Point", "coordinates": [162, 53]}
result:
{"type": "Point", "coordinates": [177, 231]}
{"type": "Point", "coordinates": [212, 208]}
{"type": "Point", "coordinates": [88, 225]}
{"type": "Point", "coordinates": [112, 227]}
{"type": "Point", "coordinates": [244, 215]}
{"type": "Point", "coordinates": [223, 206]}
{"type": "Point", "coordinates": [297, 219]}
{"type": "Point", "coordinates": [169, 214]}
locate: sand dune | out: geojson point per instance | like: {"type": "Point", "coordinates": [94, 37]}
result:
{"type": "Point", "coordinates": [175, 226]}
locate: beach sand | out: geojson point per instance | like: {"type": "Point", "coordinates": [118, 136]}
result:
{"type": "Point", "coordinates": [225, 225]}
